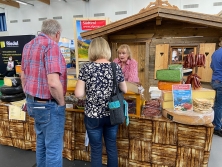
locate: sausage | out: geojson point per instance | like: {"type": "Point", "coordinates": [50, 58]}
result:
{"type": "Point", "coordinates": [196, 60]}
{"type": "Point", "coordinates": [203, 60]}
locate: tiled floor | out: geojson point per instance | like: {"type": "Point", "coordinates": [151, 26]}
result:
{"type": "Point", "coordinates": [14, 157]}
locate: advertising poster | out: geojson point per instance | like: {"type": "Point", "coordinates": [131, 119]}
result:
{"type": "Point", "coordinates": [182, 97]}
{"type": "Point", "coordinates": [83, 44]}
{"type": "Point", "coordinates": [65, 49]}
{"type": "Point", "coordinates": [12, 46]}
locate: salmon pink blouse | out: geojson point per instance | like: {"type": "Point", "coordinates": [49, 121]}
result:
{"type": "Point", "coordinates": [130, 70]}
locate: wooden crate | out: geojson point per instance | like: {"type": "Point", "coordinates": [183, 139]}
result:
{"type": "Point", "coordinates": [4, 130]}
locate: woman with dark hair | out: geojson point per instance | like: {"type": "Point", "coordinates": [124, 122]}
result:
{"type": "Point", "coordinates": [10, 69]}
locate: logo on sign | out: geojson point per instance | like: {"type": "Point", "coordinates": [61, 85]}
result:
{"type": "Point", "coordinates": [92, 24]}
{"type": "Point", "coordinates": [12, 43]}
{"type": "Point", "coordinates": [2, 44]}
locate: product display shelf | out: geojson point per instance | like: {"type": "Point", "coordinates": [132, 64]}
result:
{"type": "Point", "coordinates": [128, 94]}
{"type": "Point", "coordinates": [144, 142]}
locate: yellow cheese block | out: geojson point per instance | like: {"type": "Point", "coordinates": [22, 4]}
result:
{"type": "Point", "coordinates": [12, 81]}
{"type": "Point", "coordinates": [169, 104]}
{"type": "Point", "coordinates": [198, 94]}
{"type": "Point", "coordinates": [189, 117]}
{"type": "Point", "coordinates": [71, 83]}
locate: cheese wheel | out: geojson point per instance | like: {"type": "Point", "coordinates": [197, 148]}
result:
{"type": "Point", "coordinates": [8, 90]}
{"type": "Point", "coordinates": [189, 117]}
{"type": "Point", "coordinates": [12, 81]}
{"type": "Point", "coordinates": [11, 98]}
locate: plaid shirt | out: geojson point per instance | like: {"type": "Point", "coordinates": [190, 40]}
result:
{"type": "Point", "coordinates": [40, 57]}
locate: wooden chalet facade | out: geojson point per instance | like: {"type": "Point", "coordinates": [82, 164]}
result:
{"type": "Point", "coordinates": [155, 31]}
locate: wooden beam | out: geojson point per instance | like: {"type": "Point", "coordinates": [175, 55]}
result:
{"type": "Point", "coordinates": [45, 1]}
{"type": "Point", "coordinates": [10, 3]}
{"type": "Point", "coordinates": [158, 21]}
{"type": "Point", "coordinates": [132, 36]}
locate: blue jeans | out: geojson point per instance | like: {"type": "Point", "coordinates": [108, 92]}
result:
{"type": "Point", "coordinates": [96, 128]}
{"type": "Point", "coordinates": [217, 86]}
{"type": "Point", "coordinates": [49, 127]}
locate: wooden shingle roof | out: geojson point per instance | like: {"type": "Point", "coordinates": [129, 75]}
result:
{"type": "Point", "coordinates": [157, 12]}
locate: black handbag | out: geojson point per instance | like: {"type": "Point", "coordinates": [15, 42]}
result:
{"type": "Point", "coordinates": [116, 102]}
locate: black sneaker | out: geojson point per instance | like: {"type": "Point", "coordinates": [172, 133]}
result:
{"type": "Point", "coordinates": [218, 132]}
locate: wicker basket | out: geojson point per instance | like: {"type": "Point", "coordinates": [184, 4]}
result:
{"type": "Point", "coordinates": [140, 150]}
{"type": "Point", "coordinates": [138, 164]}
{"type": "Point", "coordinates": [68, 139]}
{"type": "Point", "coordinates": [6, 141]}
{"type": "Point", "coordinates": [23, 144]}
{"type": "Point", "coordinates": [17, 130]}
{"type": "Point", "coordinates": [3, 112]}
{"type": "Point", "coordinates": [69, 154]}
{"type": "Point", "coordinates": [190, 157]}
{"type": "Point", "coordinates": [140, 129]}
{"type": "Point", "coordinates": [79, 123]}
{"type": "Point", "coordinates": [82, 155]}
{"type": "Point", "coordinates": [122, 144]}
{"type": "Point", "coordinates": [70, 121]}
{"type": "Point", "coordinates": [4, 130]}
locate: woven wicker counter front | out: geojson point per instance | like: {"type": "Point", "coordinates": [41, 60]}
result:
{"type": "Point", "coordinates": [144, 143]}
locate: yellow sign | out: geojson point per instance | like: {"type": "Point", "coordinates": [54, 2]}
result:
{"type": "Point", "coordinates": [2, 44]}
{"type": "Point", "coordinates": [16, 113]}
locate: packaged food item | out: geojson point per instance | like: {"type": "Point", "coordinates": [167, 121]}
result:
{"type": "Point", "coordinates": [151, 108]}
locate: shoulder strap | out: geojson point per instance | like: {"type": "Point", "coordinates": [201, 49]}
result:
{"type": "Point", "coordinates": [115, 86]}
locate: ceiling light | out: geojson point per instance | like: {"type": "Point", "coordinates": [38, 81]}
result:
{"type": "Point", "coordinates": [24, 3]}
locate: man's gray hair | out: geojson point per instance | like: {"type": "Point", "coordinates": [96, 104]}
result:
{"type": "Point", "coordinates": [51, 27]}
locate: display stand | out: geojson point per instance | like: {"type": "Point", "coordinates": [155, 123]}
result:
{"type": "Point", "coordinates": [128, 94]}
{"type": "Point", "coordinates": [145, 142]}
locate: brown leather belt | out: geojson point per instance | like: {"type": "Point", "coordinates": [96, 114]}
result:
{"type": "Point", "coordinates": [41, 100]}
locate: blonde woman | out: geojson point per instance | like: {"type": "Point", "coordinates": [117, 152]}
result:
{"type": "Point", "coordinates": [96, 81]}
{"type": "Point", "coordinates": [127, 63]}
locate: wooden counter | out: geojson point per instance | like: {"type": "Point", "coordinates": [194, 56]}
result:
{"type": "Point", "coordinates": [144, 143]}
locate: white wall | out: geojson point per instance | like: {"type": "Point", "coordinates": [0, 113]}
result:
{"type": "Point", "coordinates": [87, 9]}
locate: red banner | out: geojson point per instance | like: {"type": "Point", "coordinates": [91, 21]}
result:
{"type": "Point", "coordinates": [92, 24]}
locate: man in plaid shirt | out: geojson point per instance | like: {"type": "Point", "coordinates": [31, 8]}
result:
{"type": "Point", "coordinates": [44, 80]}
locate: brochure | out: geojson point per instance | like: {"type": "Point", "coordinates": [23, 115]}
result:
{"type": "Point", "coordinates": [182, 97]}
